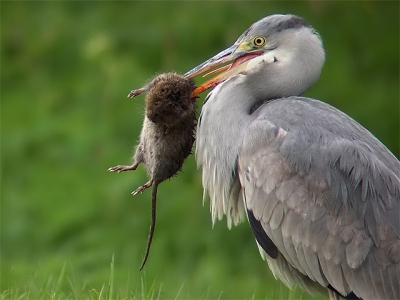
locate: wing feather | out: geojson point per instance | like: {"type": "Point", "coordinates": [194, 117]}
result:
{"type": "Point", "coordinates": [394, 272]}
{"type": "Point", "coordinates": [269, 207]}
{"type": "Point", "coordinates": [368, 282]}
{"type": "Point", "coordinates": [336, 274]}
{"type": "Point", "coordinates": [301, 259]}
{"type": "Point", "coordinates": [276, 217]}
{"type": "Point", "coordinates": [324, 267]}
{"type": "Point", "coordinates": [289, 226]}
{"type": "Point", "coordinates": [314, 266]}
{"type": "Point", "coordinates": [387, 288]}
{"type": "Point", "coordinates": [374, 275]}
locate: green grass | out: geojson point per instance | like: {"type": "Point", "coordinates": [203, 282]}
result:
{"type": "Point", "coordinates": [50, 287]}
{"type": "Point", "coordinates": [66, 68]}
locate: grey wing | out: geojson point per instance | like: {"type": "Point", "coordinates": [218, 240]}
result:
{"type": "Point", "coordinates": [330, 208]}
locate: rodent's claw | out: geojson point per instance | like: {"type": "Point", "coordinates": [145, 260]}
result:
{"type": "Point", "coordinates": [115, 169]}
{"type": "Point", "coordinates": [137, 92]}
{"type": "Point", "coordinates": [120, 169]}
{"type": "Point", "coordinates": [141, 188]}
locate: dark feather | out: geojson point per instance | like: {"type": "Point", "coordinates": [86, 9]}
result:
{"type": "Point", "coordinates": [262, 238]}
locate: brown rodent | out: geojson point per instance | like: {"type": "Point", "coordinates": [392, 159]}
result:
{"type": "Point", "coordinates": [167, 134]}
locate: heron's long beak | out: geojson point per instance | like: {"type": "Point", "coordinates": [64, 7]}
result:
{"type": "Point", "coordinates": [238, 54]}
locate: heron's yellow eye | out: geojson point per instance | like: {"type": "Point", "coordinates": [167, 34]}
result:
{"type": "Point", "coordinates": [259, 41]}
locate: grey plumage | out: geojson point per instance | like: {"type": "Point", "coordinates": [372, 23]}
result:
{"type": "Point", "coordinates": [315, 184]}
{"type": "Point", "coordinates": [315, 166]}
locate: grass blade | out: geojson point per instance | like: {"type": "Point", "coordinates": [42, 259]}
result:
{"type": "Point", "coordinates": [111, 283]}
{"type": "Point", "coordinates": [60, 280]}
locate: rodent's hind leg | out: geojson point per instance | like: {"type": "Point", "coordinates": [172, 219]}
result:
{"type": "Point", "coordinates": [143, 187]}
{"type": "Point", "coordinates": [123, 168]}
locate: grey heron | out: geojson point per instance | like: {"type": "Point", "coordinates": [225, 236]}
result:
{"type": "Point", "coordinates": [321, 193]}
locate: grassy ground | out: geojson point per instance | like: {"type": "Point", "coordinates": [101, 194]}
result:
{"type": "Point", "coordinates": [66, 68]}
{"type": "Point", "coordinates": [53, 287]}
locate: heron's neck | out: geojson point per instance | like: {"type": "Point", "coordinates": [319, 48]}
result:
{"type": "Point", "coordinates": [226, 115]}
{"type": "Point", "coordinates": [222, 124]}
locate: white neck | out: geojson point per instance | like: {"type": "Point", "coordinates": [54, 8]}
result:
{"type": "Point", "coordinates": [222, 123]}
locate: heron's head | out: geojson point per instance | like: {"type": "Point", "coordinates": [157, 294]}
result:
{"type": "Point", "coordinates": [280, 55]}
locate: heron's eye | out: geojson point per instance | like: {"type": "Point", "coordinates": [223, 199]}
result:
{"type": "Point", "coordinates": [259, 41]}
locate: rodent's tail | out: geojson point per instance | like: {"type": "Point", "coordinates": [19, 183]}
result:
{"type": "Point", "coordinates": [152, 225]}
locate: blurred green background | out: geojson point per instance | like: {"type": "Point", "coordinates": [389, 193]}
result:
{"type": "Point", "coordinates": [66, 68]}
